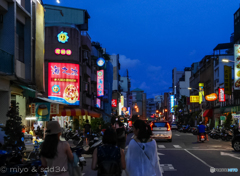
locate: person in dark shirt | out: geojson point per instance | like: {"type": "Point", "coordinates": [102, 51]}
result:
{"type": "Point", "coordinates": [121, 136]}
{"type": "Point", "coordinates": [87, 131]}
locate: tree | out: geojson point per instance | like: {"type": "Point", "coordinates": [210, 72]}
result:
{"type": "Point", "coordinates": [13, 130]}
{"type": "Point", "coordinates": [228, 121]}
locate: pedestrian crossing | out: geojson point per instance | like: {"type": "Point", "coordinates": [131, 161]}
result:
{"type": "Point", "coordinates": [174, 146]}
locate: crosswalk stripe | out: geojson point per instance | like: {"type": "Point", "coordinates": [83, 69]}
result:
{"type": "Point", "coordinates": [177, 146]}
{"type": "Point", "coordinates": [161, 146]}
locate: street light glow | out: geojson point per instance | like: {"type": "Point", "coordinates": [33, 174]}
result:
{"type": "Point", "coordinates": [225, 60]}
{"type": "Point", "coordinates": [189, 88]}
{"type": "Point", "coordinates": [58, 1]}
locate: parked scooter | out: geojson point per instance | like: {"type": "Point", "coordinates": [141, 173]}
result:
{"type": "Point", "coordinates": [68, 134]}
{"type": "Point", "coordinates": [236, 138]}
{"type": "Point", "coordinates": [79, 150]}
{"type": "Point", "coordinates": [94, 142]}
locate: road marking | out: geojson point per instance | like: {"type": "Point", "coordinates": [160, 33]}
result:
{"type": "Point", "coordinates": [177, 146]}
{"type": "Point", "coordinates": [160, 153]}
{"type": "Point", "coordinates": [198, 158]}
{"type": "Point", "coordinates": [167, 167]}
{"type": "Point", "coordinates": [177, 134]}
{"type": "Point", "coordinates": [229, 154]}
{"type": "Point", "coordinates": [161, 146]}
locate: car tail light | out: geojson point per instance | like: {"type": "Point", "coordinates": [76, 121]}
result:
{"type": "Point", "coordinates": [151, 125]}
{"type": "Point", "coordinates": [168, 127]}
{"type": "Point", "coordinates": [202, 136]}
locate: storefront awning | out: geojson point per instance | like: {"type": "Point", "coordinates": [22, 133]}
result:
{"type": "Point", "coordinates": [208, 113]}
{"type": "Point", "coordinates": [78, 112]}
{"type": "Point", "coordinates": [28, 92]}
{"type": "Point", "coordinates": [50, 101]}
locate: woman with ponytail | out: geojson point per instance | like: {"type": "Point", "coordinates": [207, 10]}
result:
{"type": "Point", "coordinates": [141, 157]}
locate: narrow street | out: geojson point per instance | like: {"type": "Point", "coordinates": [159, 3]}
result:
{"type": "Point", "coordinates": [184, 156]}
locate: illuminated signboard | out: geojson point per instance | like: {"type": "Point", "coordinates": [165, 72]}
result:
{"type": "Point", "coordinates": [63, 37]}
{"type": "Point", "coordinates": [237, 67]}
{"type": "Point", "coordinates": [172, 102]}
{"type": "Point", "coordinates": [228, 80]}
{"type": "Point", "coordinates": [63, 82]}
{"type": "Point", "coordinates": [114, 103]}
{"type": "Point", "coordinates": [100, 83]}
{"type": "Point", "coordinates": [98, 104]}
{"type": "Point", "coordinates": [221, 94]}
{"type": "Point", "coordinates": [129, 110]}
{"type": "Point", "coordinates": [194, 99]}
{"type": "Point", "coordinates": [201, 92]}
{"type": "Point", "coordinates": [63, 51]}
{"type": "Point", "coordinates": [100, 62]}
{"type": "Point", "coordinates": [122, 101]}
{"type": "Point", "coordinates": [211, 97]}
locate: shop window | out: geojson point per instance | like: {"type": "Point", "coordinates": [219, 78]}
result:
{"type": "Point", "coordinates": [20, 41]}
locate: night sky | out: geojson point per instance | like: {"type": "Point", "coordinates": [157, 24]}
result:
{"type": "Point", "coordinates": [154, 36]}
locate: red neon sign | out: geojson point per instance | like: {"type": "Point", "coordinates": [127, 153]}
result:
{"type": "Point", "coordinates": [221, 95]}
{"type": "Point", "coordinates": [114, 103]}
{"type": "Point", "coordinates": [100, 83]}
{"type": "Point", "coordinates": [63, 51]}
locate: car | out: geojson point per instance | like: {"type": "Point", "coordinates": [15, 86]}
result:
{"type": "Point", "coordinates": [161, 130]}
{"type": "Point", "coordinates": [174, 126]}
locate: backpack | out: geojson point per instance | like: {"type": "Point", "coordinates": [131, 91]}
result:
{"type": "Point", "coordinates": [109, 167]}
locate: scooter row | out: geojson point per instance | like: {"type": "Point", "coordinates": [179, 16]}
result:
{"type": "Point", "coordinates": [221, 133]}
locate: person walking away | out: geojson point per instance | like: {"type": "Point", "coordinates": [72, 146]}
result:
{"type": "Point", "coordinates": [121, 136]}
{"type": "Point", "coordinates": [55, 154]}
{"type": "Point", "coordinates": [201, 129]}
{"type": "Point", "coordinates": [87, 131]}
{"type": "Point", "coordinates": [66, 125]}
{"type": "Point", "coordinates": [141, 157]}
{"type": "Point", "coordinates": [109, 159]}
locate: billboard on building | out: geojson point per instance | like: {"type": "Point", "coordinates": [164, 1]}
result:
{"type": "Point", "coordinates": [98, 103]}
{"type": "Point", "coordinates": [171, 103]}
{"type": "Point", "coordinates": [228, 79]}
{"type": "Point", "coordinates": [201, 92]}
{"type": "Point", "coordinates": [236, 67]}
{"type": "Point", "coordinates": [100, 83]}
{"type": "Point", "coordinates": [63, 83]}
{"type": "Point", "coordinates": [42, 111]}
{"type": "Point", "coordinates": [114, 103]}
{"type": "Point", "coordinates": [194, 98]}
{"type": "Point", "coordinates": [221, 95]}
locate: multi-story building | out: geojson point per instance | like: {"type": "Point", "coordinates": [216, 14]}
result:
{"type": "Point", "coordinates": [151, 107]}
{"type": "Point", "coordinates": [236, 34]}
{"type": "Point", "coordinates": [159, 100]}
{"type": "Point", "coordinates": [21, 53]}
{"type": "Point", "coordinates": [183, 85]}
{"type": "Point", "coordinates": [139, 100]}
{"type": "Point", "coordinates": [176, 75]}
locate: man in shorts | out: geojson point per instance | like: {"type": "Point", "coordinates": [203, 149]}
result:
{"type": "Point", "coordinates": [87, 131]}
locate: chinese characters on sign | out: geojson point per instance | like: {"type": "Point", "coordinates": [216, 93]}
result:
{"type": "Point", "coordinates": [114, 103]}
{"type": "Point", "coordinates": [221, 94]}
{"type": "Point", "coordinates": [194, 99]}
{"type": "Point", "coordinates": [236, 67]}
{"type": "Point", "coordinates": [63, 83]}
{"type": "Point", "coordinates": [63, 51]}
{"type": "Point", "coordinates": [98, 104]}
{"type": "Point", "coordinates": [54, 108]}
{"type": "Point", "coordinates": [228, 79]}
{"type": "Point", "coordinates": [172, 102]}
{"type": "Point", "coordinates": [100, 83]}
{"type": "Point", "coordinates": [33, 108]}
{"type": "Point", "coordinates": [201, 92]}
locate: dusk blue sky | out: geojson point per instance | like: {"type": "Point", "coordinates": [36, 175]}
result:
{"type": "Point", "coordinates": [154, 36]}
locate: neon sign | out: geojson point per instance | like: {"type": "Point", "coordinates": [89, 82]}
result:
{"type": "Point", "coordinates": [211, 97]}
{"type": "Point", "coordinates": [172, 102]}
{"type": "Point", "coordinates": [100, 83]}
{"type": "Point", "coordinates": [114, 103]}
{"type": "Point", "coordinates": [63, 37]}
{"type": "Point", "coordinates": [63, 83]}
{"type": "Point", "coordinates": [221, 95]}
{"type": "Point", "coordinates": [100, 62]}
{"type": "Point", "coordinates": [63, 51]}
{"type": "Point", "coordinates": [98, 104]}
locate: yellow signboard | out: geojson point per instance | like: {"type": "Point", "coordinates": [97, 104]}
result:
{"type": "Point", "coordinates": [194, 98]}
{"type": "Point", "coordinates": [201, 92]}
{"type": "Point", "coordinates": [122, 101]}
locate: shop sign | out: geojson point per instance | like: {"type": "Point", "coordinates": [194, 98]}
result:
{"type": "Point", "coordinates": [222, 117]}
{"type": "Point", "coordinates": [228, 79]}
{"type": "Point", "coordinates": [100, 62]}
{"type": "Point", "coordinates": [235, 116]}
{"type": "Point", "coordinates": [114, 103]}
{"type": "Point", "coordinates": [54, 109]}
{"type": "Point", "coordinates": [172, 103]}
{"type": "Point", "coordinates": [63, 51]}
{"type": "Point", "coordinates": [98, 103]}
{"type": "Point", "coordinates": [63, 37]}
{"type": "Point", "coordinates": [100, 83]}
{"type": "Point", "coordinates": [201, 92]}
{"type": "Point", "coordinates": [237, 67]}
{"type": "Point", "coordinates": [221, 94]}
{"type": "Point", "coordinates": [122, 101]}
{"type": "Point", "coordinates": [63, 83]}
{"type": "Point", "coordinates": [194, 99]}
{"type": "Point", "coordinates": [42, 111]}
{"type": "Point", "coordinates": [211, 97]}
{"type": "Point", "coordinates": [33, 108]}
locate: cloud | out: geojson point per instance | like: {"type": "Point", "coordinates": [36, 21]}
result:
{"type": "Point", "coordinates": [193, 52]}
{"type": "Point", "coordinates": [154, 68]}
{"type": "Point", "coordinates": [144, 86]}
{"type": "Point", "coordinates": [127, 62]}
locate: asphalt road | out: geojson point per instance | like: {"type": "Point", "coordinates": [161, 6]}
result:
{"type": "Point", "coordinates": [184, 156]}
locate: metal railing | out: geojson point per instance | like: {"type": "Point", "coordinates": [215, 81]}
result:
{"type": "Point", "coordinates": [6, 66]}
{"type": "Point", "coordinates": [84, 33]}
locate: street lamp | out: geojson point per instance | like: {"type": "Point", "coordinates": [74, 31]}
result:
{"type": "Point", "coordinates": [227, 60]}
{"type": "Point", "coordinates": [58, 1]}
{"type": "Point", "coordinates": [157, 111]}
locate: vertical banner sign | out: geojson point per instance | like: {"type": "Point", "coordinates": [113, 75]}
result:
{"type": "Point", "coordinates": [201, 92]}
{"type": "Point", "coordinates": [122, 101]}
{"type": "Point", "coordinates": [236, 67]}
{"type": "Point", "coordinates": [98, 103]}
{"type": "Point", "coordinates": [228, 79]}
{"type": "Point", "coordinates": [100, 83]}
{"type": "Point", "coordinates": [42, 111]}
{"type": "Point", "coordinates": [63, 83]}
{"type": "Point", "coordinates": [172, 103]}
{"type": "Point", "coordinates": [114, 103]}
{"type": "Point", "coordinates": [221, 95]}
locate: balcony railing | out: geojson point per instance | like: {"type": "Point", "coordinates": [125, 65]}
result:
{"type": "Point", "coordinates": [86, 40]}
{"type": "Point", "coordinates": [6, 66]}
